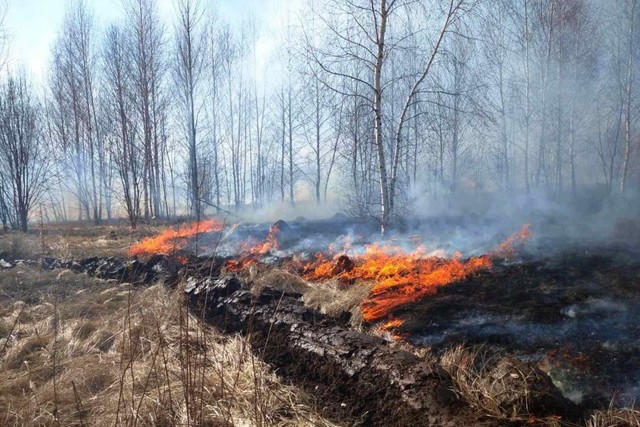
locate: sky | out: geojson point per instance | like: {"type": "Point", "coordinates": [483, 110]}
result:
{"type": "Point", "coordinates": [33, 25]}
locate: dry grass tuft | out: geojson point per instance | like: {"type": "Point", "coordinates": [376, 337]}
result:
{"type": "Point", "coordinates": [279, 279]}
{"type": "Point", "coordinates": [504, 388]}
{"type": "Point", "coordinates": [14, 246]}
{"type": "Point", "coordinates": [329, 297]}
{"type": "Point", "coordinates": [28, 350]}
{"type": "Point", "coordinates": [121, 356]}
{"type": "Point", "coordinates": [5, 328]}
{"type": "Point", "coordinates": [332, 298]}
{"type": "Point", "coordinates": [615, 417]}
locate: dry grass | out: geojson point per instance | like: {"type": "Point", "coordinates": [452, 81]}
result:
{"type": "Point", "coordinates": [277, 278]}
{"type": "Point", "coordinates": [614, 417]}
{"type": "Point", "coordinates": [329, 297]}
{"type": "Point", "coordinates": [501, 388]}
{"type": "Point", "coordinates": [332, 298]}
{"type": "Point", "coordinates": [100, 354]}
{"type": "Point", "coordinates": [468, 379]}
{"type": "Point", "coordinates": [76, 240]}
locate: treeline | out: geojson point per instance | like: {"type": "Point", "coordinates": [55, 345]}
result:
{"type": "Point", "coordinates": [376, 104]}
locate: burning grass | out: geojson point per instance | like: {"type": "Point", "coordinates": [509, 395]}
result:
{"type": "Point", "coordinates": [116, 355]}
{"type": "Point", "coordinates": [88, 353]}
{"type": "Point", "coordinates": [393, 276]}
{"type": "Point", "coordinates": [172, 240]}
{"type": "Point", "coordinates": [74, 240]}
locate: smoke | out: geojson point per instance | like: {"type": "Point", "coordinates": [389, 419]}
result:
{"type": "Point", "coordinates": [471, 221]}
{"type": "Point", "coordinates": [272, 212]}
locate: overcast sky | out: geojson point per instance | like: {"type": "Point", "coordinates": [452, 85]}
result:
{"type": "Point", "coordinates": [34, 24]}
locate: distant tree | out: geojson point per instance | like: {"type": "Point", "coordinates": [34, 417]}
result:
{"type": "Point", "coordinates": [214, 110]}
{"type": "Point", "coordinates": [322, 127]}
{"type": "Point", "coordinates": [24, 157]}
{"type": "Point", "coordinates": [73, 109]}
{"type": "Point", "coordinates": [120, 115]}
{"type": "Point", "coordinates": [4, 208]}
{"type": "Point", "coordinates": [627, 71]}
{"type": "Point", "coordinates": [190, 51]}
{"type": "Point", "coordinates": [145, 51]}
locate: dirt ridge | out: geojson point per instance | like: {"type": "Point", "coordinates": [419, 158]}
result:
{"type": "Point", "coordinates": [355, 377]}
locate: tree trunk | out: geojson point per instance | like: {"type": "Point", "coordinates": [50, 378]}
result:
{"type": "Point", "coordinates": [377, 111]}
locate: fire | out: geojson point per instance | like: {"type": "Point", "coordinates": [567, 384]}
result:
{"type": "Point", "coordinates": [252, 251]}
{"type": "Point", "coordinates": [392, 324]}
{"type": "Point", "coordinates": [172, 240]}
{"type": "Point", "coordinates": [402, 277]}
{"type": "Point", "coordinates": [237, 265]}
{"type": "Point", "coordinates": [270, 243]}
{"type": "Point", "coordinates": [322, 269]}
{"type": "Point", "coordinates": [403, 284]}
{"type": "Point", "coordinates": [507, 249]}
{"type": "Point", "coordinates": [399, 277]}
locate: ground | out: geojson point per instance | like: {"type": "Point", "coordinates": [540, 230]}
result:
{"type": "Point", "coordinates": [76, 350]}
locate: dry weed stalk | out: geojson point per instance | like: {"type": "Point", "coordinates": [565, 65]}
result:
{"type": "Point", "coordinates": [615, 417]}
{"type": "Point", "coordinates": [135, 358]}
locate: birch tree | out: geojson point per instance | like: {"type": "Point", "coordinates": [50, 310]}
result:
{"type": "Point", "coordinates": [371, 34]}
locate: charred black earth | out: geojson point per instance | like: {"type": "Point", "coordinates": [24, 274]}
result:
{"type": "Point", "coordinates": [575, 312]}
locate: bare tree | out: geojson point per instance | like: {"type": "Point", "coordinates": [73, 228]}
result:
{"type": "Point", "coordinates": [322, 126]}
{"type": "Point", "coordinates": [146, 52]}
{"type": "Point", "coordinates": [118, 100]}
{"type": "Point", "coordinates": [189, 68]}
{"type": "Point", "coordinates": [214, 111]}
{"type": "Point", "coordinates": [630, 11]}
{"type": "Point", "coordinates": [73, 109]}
{"type": "Point", "coordinates": [370, 34]}
{"type": "Point", "coordinates": [24, 160]}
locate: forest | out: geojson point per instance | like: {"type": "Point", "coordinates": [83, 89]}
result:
{"type": "Point", "coordinates": [377, 107]}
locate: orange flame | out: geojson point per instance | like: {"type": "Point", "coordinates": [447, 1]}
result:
{"type": "Point", "coordinates": [507, 249]}
{"type": "Point", "coordinates": [250, 247]}
{"type": "Point", "coordinates": [172, 240]}
{"type": "Point", "coordinates": [271, 242]}
{"type": "Point", "coordinates": [411, 284]}
{"type": "Point", "coordinates": [237, 265]}
{"type": "Point", "coordinates": [392, 324]}
{"type": "Point", "coordinates": [400, 277]}
{"type": "Point", "coordinates": [250, 251]}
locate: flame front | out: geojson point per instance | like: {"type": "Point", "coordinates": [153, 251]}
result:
{"type": "Point", "coordinates": [172, 240]}
{"type": "Point", "coordinates": [399, 277]}
{"type": "Point", "coordinates": [251, 252]}
{"type": "Point", "coordinates": [271, 242]}
{"type": "Point", "coordinates": [507, 249]}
